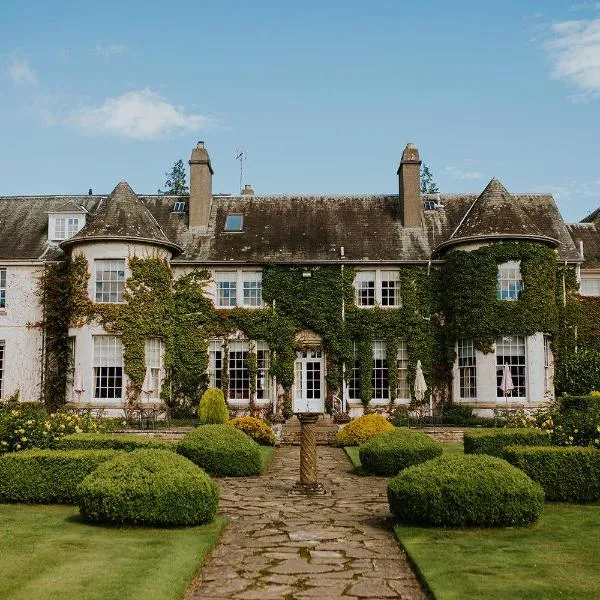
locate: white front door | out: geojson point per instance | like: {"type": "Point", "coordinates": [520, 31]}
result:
{"type": "Point", "coordinates": [309, 382]}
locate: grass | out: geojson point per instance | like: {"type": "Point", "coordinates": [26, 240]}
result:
{"type": "Point", "coordinates": [49, 552]}
{"type": "Point", "coordinates": [554, 558]}
{"type": "Point", "coordinates": [352, 453]}
{"type": "Point", "coordinates": [266, 456]}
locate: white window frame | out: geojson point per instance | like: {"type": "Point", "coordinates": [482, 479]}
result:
{"type": "Point", "coordinates": [244, 285]}
{"type": "Point", "coordinates": [589, 285]}
{"type": "Point", "coordinates": [115, 285]}
{"type": "Point", "coordinates": [2, 366]}
{"type": "Point", "coordinates": [381, 373]}
{"type": "Point", "coordinates": [2, 289]}
{"type": "Point", "coordinates": [154, 353]}
{"type": "Point", "coordinates": [107, 354]}
{"type": "Point", "coordinates": [369, 285]}
{"type": "Point", "coordinates": [466, 357]}
{"type": "Point", "coordinates": [509, 284]}
{"type": "Point", "coordinates": [548, 368]}
{"type": "Point", "coordinates": [62, 226]}
{"type": "Point", "coordinates": [237, 368]}
{"type": "Point", "coordinates": [518, 368]}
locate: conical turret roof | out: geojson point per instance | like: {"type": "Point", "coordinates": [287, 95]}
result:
{"type": "Point", "coordinates": [122, 216]}
{"type": "Point", "coordinates": [496, 214]}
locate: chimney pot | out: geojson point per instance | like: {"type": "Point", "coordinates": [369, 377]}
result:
{"type": "Point", "coordinates": [248, 190]}
{"type": "Point", "coordinates": [90, 192]}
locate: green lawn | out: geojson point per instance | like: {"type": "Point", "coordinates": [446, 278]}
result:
{"type": "Point", "coordinates": [266, 456]}
{"type": "Point", "coordinates": [48, 552]}
{"type": "Point", "coordinates": [558, 557]}
{"type": "Point", "coordinates": [352, 453]}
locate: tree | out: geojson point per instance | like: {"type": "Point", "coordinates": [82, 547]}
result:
{"type": "Point", "coordinates": [176, 183]}
{"type": "Point", "coordinates": [428, 185]}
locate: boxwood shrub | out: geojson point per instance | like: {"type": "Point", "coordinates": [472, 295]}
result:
{"type": "Point", "coordinates": [390, 452]}
{"type": "Point", "coordinates": [361, 429]}
{"type": "Point", "coordinates": [222, 450]}
{"type": "Point", "coordinates": [257, 429]}
{"type": "Point", "coordinates": [493, 441]}
{"type": "Point", "coordinates": [148, 487]}
{"type": "Point", "coordinates": [113, 441]}
{"type": "Point", "coordinates": [568, 474]}
{"type": "Point", "coordinates": [464, 490]}
{"type": "Point", "coordinates": [47, 476]}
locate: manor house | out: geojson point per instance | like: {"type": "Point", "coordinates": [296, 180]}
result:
{"type": "Point", "coordinates": [398, 300]}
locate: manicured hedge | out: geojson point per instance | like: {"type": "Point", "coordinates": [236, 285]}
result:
{"type": "Point", "coordinates": [148, 487]}
{"type": "Point", "coordinates": [361, 429]}
{"type": "Point", "coordinates": [390, 452]}
{"type": "Point", "coordinates": [568, 474]}
{"type": "Point", "coordinates": [47, 476]}
{"type": "Point", "coordinates": [493, 441]}
{"type": "Point", "coordinates": [464, 490]}
{"type": "Point", "coordinates": [257, 429]}
{"type": "Point", "coordinates": [113, 441]}
{"type": "Point", "coordinates": [222, 450]}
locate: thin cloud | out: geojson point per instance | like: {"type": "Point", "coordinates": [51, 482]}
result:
{"type": "Point", "coordinates": [20, 72]}
{"type": "Point", "coordinates": [107, 51]}
{"type": "Point", "coordinates": [575, 52]}
{"type": "Point", "coordinates": [140, 114]}
{"type": "Point", "coordinates": [462, 173]}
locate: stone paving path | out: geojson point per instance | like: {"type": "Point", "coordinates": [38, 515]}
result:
{"type": "Point", "coordinates": [286, 547]}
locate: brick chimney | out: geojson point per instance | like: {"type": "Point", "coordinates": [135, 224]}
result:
{"type": "Point", "coordinates": [409, 179]}
{"type": "Point", "coordinates": [201, 173]}
{"type": "Point", "coordinates": [248, 190]}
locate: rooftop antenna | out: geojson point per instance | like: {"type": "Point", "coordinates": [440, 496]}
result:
{"type": "Point", "coordinates": [241, 156]}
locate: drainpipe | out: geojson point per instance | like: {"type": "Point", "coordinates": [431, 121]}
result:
{"type": "Point", "coordinates": [343, 320]}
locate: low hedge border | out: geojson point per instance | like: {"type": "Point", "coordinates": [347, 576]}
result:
{"type": "Point", "coordinates": [566, 474]}
{"type": "Point", "coordinates": [467, 490]}
{"type": "Point", "coordinates": [148, 487]}
{"type": "Point", "coordinates": [113, 441]}
{"type": "Point", "coordinates": [47, 476]}
{"type": "Point", "coordinates": [390, 452]}
{"type": "Point", "coordinates": [222, 450]}
{"type": "Point", "coordinates": [493, 441]}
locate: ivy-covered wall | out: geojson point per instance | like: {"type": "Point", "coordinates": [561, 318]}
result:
{"type": "Point", "coordinates": [438, 306]}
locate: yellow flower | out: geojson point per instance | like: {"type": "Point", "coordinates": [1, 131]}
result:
{"type": "Point", "coordinates": [4, 443]}
{"type": "Point", "coordinates": [23, 439]}
{"type": "Point", "coordinates": [18, 446]}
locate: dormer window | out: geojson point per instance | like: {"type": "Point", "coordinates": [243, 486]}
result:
{"type": "Point", "coordinates": [234, 223]}
{"type": "Point", "coordinates": [63, 226]}
{"type": "Point", "coordinates": [510, 282]}
{"type": "Point", "coordinates": [180, 206]}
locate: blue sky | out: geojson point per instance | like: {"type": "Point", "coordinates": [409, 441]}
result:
{"type": "Point", "coordinates": [322, 96]}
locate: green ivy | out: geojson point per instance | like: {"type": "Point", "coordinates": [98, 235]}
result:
{"type": "Point", "coordinates": [471, 308]}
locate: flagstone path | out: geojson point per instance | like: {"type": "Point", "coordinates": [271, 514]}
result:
{"type": "Point", "coordinates": [286, 547]}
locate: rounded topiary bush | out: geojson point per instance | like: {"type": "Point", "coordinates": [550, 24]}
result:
{"type": "Point", "coordinates": [213, 408]}
{"type": "Point", "coordinates": [148, 487]}
{"type": "Point", "coordinates": [361, 429]}
{"type": "Point", "coordinates": [465, 490]}
{"type": "Point", "coordinates": [222, 450]}
{"type": "Point", "coordinates": [258, 430]}
{"type": "Point", "coordinates": [390, 452]}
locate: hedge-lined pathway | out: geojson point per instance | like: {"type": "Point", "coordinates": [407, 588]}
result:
{"type": "Point", "coordinates": [283, 547]}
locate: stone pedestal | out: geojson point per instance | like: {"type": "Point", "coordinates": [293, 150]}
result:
{"type": "Point", "coordinates": [308, 484]}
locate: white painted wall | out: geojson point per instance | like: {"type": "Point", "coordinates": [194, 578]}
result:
{"type": "Point", "coordinates": [22, 338]}
{"type": "Point", "coordinates": [486, 379]}
{"type": "Point", "coordinates": [84, 344]}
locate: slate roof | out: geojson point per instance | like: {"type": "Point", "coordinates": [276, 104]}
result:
{"type": "Point", "coordinates": [589, 234]}
{"type": "Point", "coordinates": [122, 215]}
{"type": "Point", "coordinates": [497, 214]}
{"type": "Point", "coordinates": [276, 228]}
